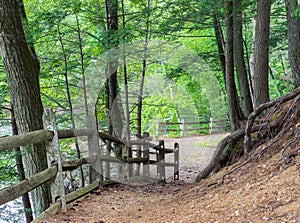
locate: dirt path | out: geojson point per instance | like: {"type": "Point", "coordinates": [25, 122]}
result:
{"type": "Point", "coordinates": [194, 154]}
{"type": "Point", "coordinates": [266, 190]}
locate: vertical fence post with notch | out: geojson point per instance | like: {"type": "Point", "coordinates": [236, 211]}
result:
{"type": "Point", "coordinates": [96, 170]}
{"type": "Point", "coordinates": [160, 157]}
{"type": "Point", "coordinates": [54, 158]}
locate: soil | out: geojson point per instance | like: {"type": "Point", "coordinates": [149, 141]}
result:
{"type": "Point", "coordinates": [266, 189]}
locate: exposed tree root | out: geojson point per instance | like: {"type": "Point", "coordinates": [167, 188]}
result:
{"type": "Point", "coordinates": [259, 110]}
{"type": "Point", "coordinates": [222, 145]}
{"type": "Point", "coordinates": [246, 132]}
{"type": "Point", "coordinates": [286, 159]}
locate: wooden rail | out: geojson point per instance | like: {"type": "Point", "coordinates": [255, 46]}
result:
{"type": "Point", "coordinates": [184, 128]}
{"type": "Point", "coordinates": [54, 172]}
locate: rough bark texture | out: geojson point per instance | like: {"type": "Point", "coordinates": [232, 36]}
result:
{"type": "Point", "coordinates": [220, 42]}
{"type": "Point", "coordinates": [238, 51]}
{"type": "Point", "coordinates": [22, 71]}
{"type": "Point", "coordinates": [21, 171]}
{"type": "Point", "coordinates": [114, 116]}
{"type": "Point", "coordinates": [260, 53]}
{"type": "Point", "coordinates": [230, 83]}
{"type": "Point", "coordinates": [293, 23]}
{"type": "Point", "coordinates": [112, 65]}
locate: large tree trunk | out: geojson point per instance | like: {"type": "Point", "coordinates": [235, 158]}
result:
{"type": "Point", "coordinates": [112, 26]}
{"type": "Point", "coordinates": [238, 52]}
{"type": "Point", "coordinates": [22, 71]}
{"type": "Point", "coordinates": [293, 22]}
{"type": "Point", "coordinates": [234, 113]}
{"type": "Point", "coordinates": [260, 53]}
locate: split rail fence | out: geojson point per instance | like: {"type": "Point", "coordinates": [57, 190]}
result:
{"type": "Point", "coordinates": [183, 128]}
{"type": "Point", "coordinates": [99, 173]}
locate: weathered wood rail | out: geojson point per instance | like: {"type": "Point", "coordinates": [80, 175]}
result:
{"type": "Point", "coordinates": [151, 154]}
{"type": "Point", "coordinates": [183, 128]}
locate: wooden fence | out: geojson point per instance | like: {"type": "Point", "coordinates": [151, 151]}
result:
{"type": "Point", "coordinates": [183, 128]}
{"type": "Point", "coordinates": [150, 154]}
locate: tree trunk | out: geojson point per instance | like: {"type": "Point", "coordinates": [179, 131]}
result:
{"type": "Point", "coordinates": [220, 43]}
{"type": "Point", "coordinates": [259, 59]}
{"type": "Point", "coordinates": [127, 111]}
{"type": "Point", "coordinates": [141, 84]}
{"type": "Point", "coordinates": [112, 26]}
{"type": "Point", "coordinates": [238, 52]}
{"type": "Point", "coordinates": [293, 23]}
{"type": "Point", "coordinates": [234, 113]}
{"type": "Point", "coordinates": [22, 71]}
{"type": "Point", "coordinates": [65, 73]}
{"type": "Point", "coordinates": [21, 171]}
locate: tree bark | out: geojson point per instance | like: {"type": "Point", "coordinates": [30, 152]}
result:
{"type": "Point", "coordinates": [220, 43]}
{"type": "Point", "coordinates": [238, 52]}
{"type": "Point", "coordinates": [234, 113]}
{"type": "Point", "coordinates": [293, 23]}
{"type": "Point", "coordinates": [22, 71]}
{"type": "Point", "coordinates": [142, 82]}
{"type": "Point", "coordinates": [259, 59]}
{"type": "Point", "coordinates": [112, 27]}
{"type": "Point", "coordinates": [21, 171]}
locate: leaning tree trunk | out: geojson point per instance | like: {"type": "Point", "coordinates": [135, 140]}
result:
{"type": "Point", "coordinates": [220, 43]}
{"type": "Point", "coordinates": [293, 22]}
{"type": "Point", "coordinates": [260, 53]}
{"type": "Point", "coordinates": [22, 71]}
{"type": "Point", "coordinates": [238, 51]}
{"type": "Point", "coordinates": [234, 113]}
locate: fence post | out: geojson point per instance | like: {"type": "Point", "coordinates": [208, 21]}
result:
{"type": "Point", "coordinates": [176, 161]}
{"type": "Point", "coordinates": [160, 157]}
{"type": "Point", "coordinates": [157, 129]}
{"type": "Point", "coordinates": [53, 157]}
{"type": "Point", "coordinates": [210, 125]}
{"type": "Point", "coordinates": [182, 128]}
{"type": "Point", "coordinates": [95, 171]}
{"type": "Point", "coordinates": [146, 154]}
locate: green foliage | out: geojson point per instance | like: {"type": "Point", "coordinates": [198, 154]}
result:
{"type": "Point", "coordinates": [70, 35]}
{"type": "Point", "coordinates": [8, 171]}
